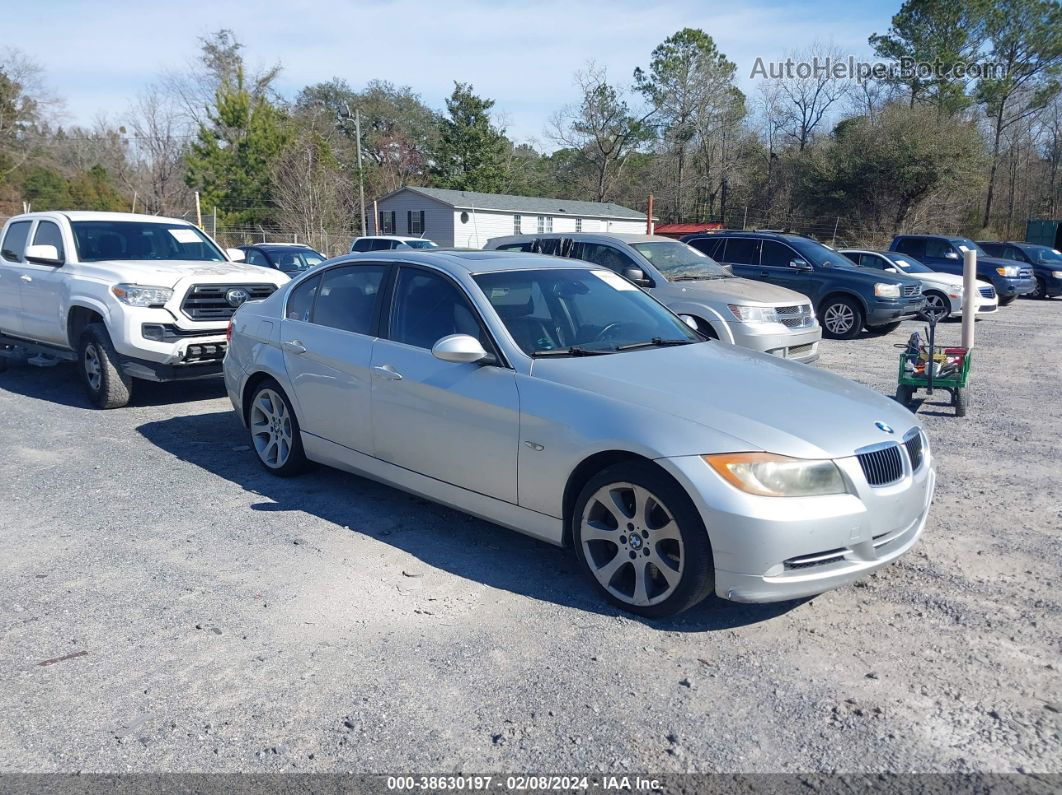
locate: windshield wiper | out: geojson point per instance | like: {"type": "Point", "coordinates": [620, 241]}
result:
{"type": "Point", "coordinates": [574, 350]}
{"type": "Point", "coordinates": [655, 342]}
{"type": "Point", "coordinates": [697, 278]}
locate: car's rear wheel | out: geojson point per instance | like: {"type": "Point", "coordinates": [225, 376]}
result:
{"type": "Point", "coordinates": [108, 387]}
{"type": "Point", "coordinates": [937, 306]}
{"type": "Point", "coordinates": [274, 430]}
{"type": "Point", "coordinates": [642, 541]}
{"type": "Point", "coordinates": [842, 318]}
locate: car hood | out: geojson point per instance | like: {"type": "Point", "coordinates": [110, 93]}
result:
{"type": "Point", "coordinates": [167, 273]}
{"type": "Point", "coordinates": [946, 279]}
{"type": "Point", "coordinates": [768, 403]}
{"type": "Point", "coordinates": [736, 290]}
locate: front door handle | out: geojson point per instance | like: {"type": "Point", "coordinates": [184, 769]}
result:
{"type": "Point", "coordinates": [26, 278]}
{"type": "Point", "coordinates": [387, 371]}
{"type": "Point", "coordinates": [294, 346]}
{"type": "Point", "coordinates": [765, 274]}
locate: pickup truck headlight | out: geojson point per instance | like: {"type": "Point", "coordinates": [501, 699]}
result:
{"type": "Point", "coordinates": [139, 295]}
{"type": "Point", "coordinates": [753, 314]}
{"type": "Point", "coordinates": [1010, 271]}
{"type": "Point", "coordinates": [883, 290]}
{"type": "Point", "coordinates": [1057, 274]}
{"type": "Point", "coordinates": [770, 475]}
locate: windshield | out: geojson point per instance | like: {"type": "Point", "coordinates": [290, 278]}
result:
{"type": "Point", "coordinates": [818, 254]}
{"type": "Point", "coordinates": [908, 264]}
{"type": "Point", "coordinates": [579, 311]}
{"type": "Point", "coordinates": [420, 244]}
{"type": "Point", "coordinates": [299, 260]}
{"type": "Point", "coordinates": [678, 261]}
{"type": "Point", "coordinates": [142, 240]}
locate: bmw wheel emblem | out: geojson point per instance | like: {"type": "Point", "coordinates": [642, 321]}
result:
{"type": "Point", "coordinates": [881, 426]}
{"type": "Point", "coordinates": [236, 296]}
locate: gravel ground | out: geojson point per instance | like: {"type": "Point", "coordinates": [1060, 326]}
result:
{"type": "Point", "coordinates": [201, 615]}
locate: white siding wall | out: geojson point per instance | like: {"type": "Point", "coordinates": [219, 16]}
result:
{"type": "Point", "coordinates": [438, 218]}
{"type": "Point", "coordinates": [627, 227]}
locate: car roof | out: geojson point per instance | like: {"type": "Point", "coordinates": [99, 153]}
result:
{"type": "Point", "coordinates": [471, 262]}
{"type": "Point", "coordinates": [624, 237]}
{"type": "Point", "coordinates": [275, 245]}
{"type": "Point", "coordinates": [93, 215]}
{"type": "Point", "coordinates": [390, 237]}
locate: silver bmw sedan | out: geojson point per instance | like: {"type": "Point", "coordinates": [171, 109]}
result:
{"type": "Point", "coordinates": [560, 400]}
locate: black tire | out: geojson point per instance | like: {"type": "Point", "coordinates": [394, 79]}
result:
{"type": "Point", "coordinates": [107, 386]}
{"type": "Point", "coordinates": [887, 328]}
{"type": "Point", "coordinates": [843, 308]}
{"type": "Point", "coordinates": [696, 577]}
{"type": "Point", "coordinates": [942, 306]}
{"type": "Point", "coordinates": [960, 399]}
{"type": "Point", "coordinates": [1040, 291]}
{"type": "Point", "coordinates": [294, 461]}
{"type": "Point", "coordinates": [1007, 301]}
{"type": "Point", "coordinates": [904, 394]}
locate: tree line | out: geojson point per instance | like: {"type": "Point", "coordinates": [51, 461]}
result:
{"type": "Point", "coordinates": [853, 159]}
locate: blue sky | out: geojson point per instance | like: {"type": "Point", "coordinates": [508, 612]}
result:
{"type": "Point", "coordinates": [522, 53]}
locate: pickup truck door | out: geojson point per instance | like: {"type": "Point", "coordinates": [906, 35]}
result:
{"type": "Point", "coordinates": [14, 244]}
{"type": "Point", "coordinates": [42, 290]}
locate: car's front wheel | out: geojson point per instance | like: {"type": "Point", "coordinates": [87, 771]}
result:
{"type": "Point", "coordinates": [642, 541]}
{"type": "Point", "coordinates": [108, 386]}
{"type": "Point", "coordinates": [274, 431]}
{"type": "Point", "coordinates": [842, 318]}
{"type": "Point", "coordinates": [1040, 291]}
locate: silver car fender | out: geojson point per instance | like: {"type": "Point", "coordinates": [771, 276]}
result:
{"type": "Point", "coordinates": [712, 316]}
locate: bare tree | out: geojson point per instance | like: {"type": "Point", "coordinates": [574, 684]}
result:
{"type": "Point", "coordinates": [159, 143]}
{"type": "Point", "coordinates": [808, 99]}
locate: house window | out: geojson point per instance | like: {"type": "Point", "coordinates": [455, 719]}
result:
{"type": "Point", "coordinates": [387, 222]}
{"type": "Point", "coordinates": [415, 222]}
{"type": "Point", "coordinates": [545, 223]}
{"type": "Point", "coordinates": [516, 224]}
{"type": "Point", "coordinates": [578, 224]}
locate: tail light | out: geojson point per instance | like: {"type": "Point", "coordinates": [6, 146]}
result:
{"type": "Point", "coordinates": [228, 332]}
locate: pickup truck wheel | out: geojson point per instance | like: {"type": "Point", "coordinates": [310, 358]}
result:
{"type": "Point", "coordinates": [842, 318]}
{"type": "Point", "coordinates": [274, 429]}
{"type": "Point", "coordinates": [642, 542]}
{"type": "Point", "coordinates": [108, 387]}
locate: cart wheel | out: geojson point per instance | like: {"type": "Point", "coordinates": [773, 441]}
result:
{"type": "Point", "coordinates": [904, 394]}
{"type": "Point", "coordinates": [960, 400]}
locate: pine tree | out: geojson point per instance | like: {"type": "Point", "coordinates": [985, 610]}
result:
{"type": "Point", "coordinates": [471, 151]}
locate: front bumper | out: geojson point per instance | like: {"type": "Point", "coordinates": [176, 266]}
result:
{"type": "Point", "coordinates": [800, 345]}
{"type": "Point", "coordinates": [773, 549]}
{"type": "Point", "coordinates": [1009, 288]}
{"type": "Point", "coordinates": [881, 311]}
{"type": "Point", "coordinates": [158, 339]}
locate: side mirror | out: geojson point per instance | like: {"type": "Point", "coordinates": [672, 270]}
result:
{"type": "Point", "coordinates": [636, 275]}
{"type": "Point", "coordinates": [460, 349]}
{"type": "Point", "coordinates": [43, 254]}
{"type": "Point", "coordinates": [951, 255]}
{"type": "Point", "coordinates": [235, 255]}
{"type": "Point", "coordinates": [891, 270]}
{"type": "Point", "coordinates": [690, 321]}
{"type": "Point", "coordinates": [800, 264]}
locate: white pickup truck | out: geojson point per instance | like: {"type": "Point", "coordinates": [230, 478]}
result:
{"type": "Point", "coordinates": [125, 296]}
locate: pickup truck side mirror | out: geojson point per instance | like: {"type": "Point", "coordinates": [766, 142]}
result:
{"type": "Point", "coordinates": [636, 275]}
{"type": "Point", "coordinates": [43, 254]}
{"type": "Point", "coordinates": [235, 255]}
{"type": "Point", "coordinates": [800, 264]}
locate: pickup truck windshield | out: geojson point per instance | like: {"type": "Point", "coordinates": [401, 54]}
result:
{"type": "Point", "coordinates": [142, 240]}
{"type": "Point", "coordinates": [678, 261]}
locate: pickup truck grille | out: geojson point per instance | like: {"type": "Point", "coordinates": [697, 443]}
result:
{"type": "Point", "coordinates": [798, 316]}
{"type": "Point", "coordinates": [212, 301]}
{"type": "Point", "coordinates": [882, 466]}
{"type": "Point", "coordinates": [912, 289]}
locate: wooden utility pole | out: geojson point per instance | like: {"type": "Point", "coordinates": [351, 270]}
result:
{"type": "Point", "coordinates": [361, 179]}
{"type": "Point", "coordinates": [649, 217]}
{"type": "Point", "coordinates": [198, 212]}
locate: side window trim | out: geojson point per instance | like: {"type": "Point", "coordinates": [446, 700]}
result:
{"type": "Point", "coordinates": [20, 259]}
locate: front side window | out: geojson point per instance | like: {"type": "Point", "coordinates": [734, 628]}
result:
{"type": "Point", "coordinates": [606, 256]}
{"type": "Point", "coordinates": [912, 246]}
{"type": "Point", "coordinates": [347, 298]}
{"type": "Point", "coordinates": [776, 255]}
{"type": "Point", "coordinates": [142, 240]}
{"type": "Point", "coordinates": [589, 310]}
{"type": "Point", "coordinates": [296, 260]}
{"type": "Point", "coordinates": [300, 302]}
{"type": "Point", "coordinates": [49, 234]}
{"type": "Point", "coordinates": [428, 307]}
{"type": "Point", "coordinates": [939, 248]}
{"type": "Point", "coordinates": [15, 240]}
{"type": "Point", "coordinates": [679, 262]}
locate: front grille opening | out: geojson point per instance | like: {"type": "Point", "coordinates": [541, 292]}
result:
{"type": "Point", "coordinates": [988, 292]}
{"type": "Point", "coordinates": [211, 301]}
{"type": "Point", "coordinates": [914, 451]}
{"type": "Point", "coordinates": [816, 559]}
{"type": "Point", "coordinates": [800, 350]}
{"type": "Point", "coordinates": [213, 352]}
{"type": "Point", "coordinates": [795, 316]}
{"type": "Point", "coordinates": [912, 289]}
{"type": "Point", "coordinates": [882, 466]}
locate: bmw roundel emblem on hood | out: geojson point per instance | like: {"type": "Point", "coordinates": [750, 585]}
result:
{"type": "Point", "coordinates": [881, 426]}
{"type": "Point", "coordinates": [236, 296]}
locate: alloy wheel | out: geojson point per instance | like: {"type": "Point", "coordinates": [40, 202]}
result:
{"type": "Point", "coordinates": [935, 306]}
{"type": "Point", "coordinates": [839, 318]}
{"type": "Point", "coordinates": [93, 368]}
{"type": "Point", "coordinates": [271, 428]}
{"type": "Point", "coordinates": [632, 544]}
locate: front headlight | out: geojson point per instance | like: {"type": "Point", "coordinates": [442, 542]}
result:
{"type": "Point", "coordinates": [139, 295]}
{"type": "Point", "coordinates": [1057, 274]}
{"type": "Point", "coordinates": [769, 475]}
{"type": "Point", "coordinates": [882, 290]}
{"type": "Point", "coordinates": [753, 314]}
{"type": "Point", "coordinates": [1009, 271]}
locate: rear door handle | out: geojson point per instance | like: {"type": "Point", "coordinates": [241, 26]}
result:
{"type": "Point", "coordinates": [387, 371]}
{"type": "Point", "coordinates": [26, 278]}
{"type": "Point", "coordinates": [294, 346]}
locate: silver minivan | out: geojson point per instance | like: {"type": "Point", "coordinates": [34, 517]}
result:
{"type": "Point", "coordinates": [763, 317]}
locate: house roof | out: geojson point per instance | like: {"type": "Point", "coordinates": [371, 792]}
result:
{"type": "Point", "coordinates": [471, 200]}
{"type": "Point", "coordinates": [686, 229]}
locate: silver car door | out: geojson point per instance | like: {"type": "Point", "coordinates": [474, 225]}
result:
{"type": "Point", "coordinates": [458, 423]}
{"type": "Point", "coordinates": [42, 290]}
{"type": "Point", "coordinates": [11, 272]}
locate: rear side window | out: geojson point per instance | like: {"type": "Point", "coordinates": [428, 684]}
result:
{"type": "Point", "coordinates": [300, 302]}
{"type": "Point", "coordinates": [938, 248]}
{"type": "Point", "coordinates": [743, 251]}
{"type": "Point", "coordinates": [15, 240]}
{"type": "Point", "coordinates": [912, 246]}
{"type": "Point", "coordinates": [873, 261]}
{"type": "Point", "coordinates": [256, 257]}
{"type": "Point", "coordinates": [1013, 252]}
{"type": "Point", "coordinates": [48, 234]}
{"type": "Point", "coordinates": [606, 256]}
{"type": "Point", "coordinates": [347, 298]}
